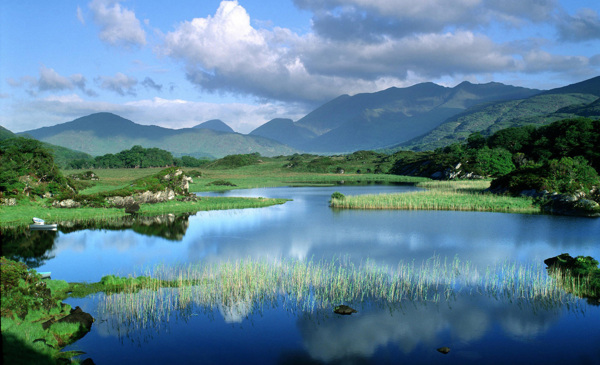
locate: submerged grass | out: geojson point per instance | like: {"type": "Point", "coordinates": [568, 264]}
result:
{"type": "Point", "coordinates": [310, 285]}
{"type": "Point", "coordinates": [442, 195]}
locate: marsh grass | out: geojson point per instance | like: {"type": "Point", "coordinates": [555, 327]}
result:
{"type": "Point", "coordinates": [442, 195]}
{"type": "Point", "coordinates": [310, 285]}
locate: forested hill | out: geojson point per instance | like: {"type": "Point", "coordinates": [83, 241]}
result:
{"type": "Point", "coordinates": [577, 100]}
{"type": "Point", "coordinates": [562, 157]}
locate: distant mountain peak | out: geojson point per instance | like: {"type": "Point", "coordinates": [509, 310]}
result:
{"type": "Point", "coordinates": [215, 125]}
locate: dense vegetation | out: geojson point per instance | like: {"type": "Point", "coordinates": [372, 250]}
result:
{"type": "Point", "coordinates": [32, 329]}
{"type": "Point", "coordinates": [136, 157]}
{"type": "Point", "coordinates": [26, 167]}
{"type": "Point", "coordinates": [561, 157]}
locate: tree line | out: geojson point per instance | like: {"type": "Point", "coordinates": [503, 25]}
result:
{"type": "Point", "coordinates": [136, 157]}
{"type": "Point", "coordinates": [562, 157]}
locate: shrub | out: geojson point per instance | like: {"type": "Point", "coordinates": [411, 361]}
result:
{"type": "Point", "coordinates": [337, 195]}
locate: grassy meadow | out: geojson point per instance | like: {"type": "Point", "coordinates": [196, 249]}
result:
{"type": "Point", "coordinates": [467, 195]}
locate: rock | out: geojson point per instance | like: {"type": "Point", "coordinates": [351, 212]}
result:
{"type": "Point", "coordinates": [77, 315]}
{"type": "Point", "coordinates": [132, 208]}
{"type": "Point", "coordinates": [9, 202]}
{"type": "Point", "coordinates": [344, 310]}
{"type": "Point", "coordinates": [67, 203]}
{"type": "Point", "coordinates": [444, 350]}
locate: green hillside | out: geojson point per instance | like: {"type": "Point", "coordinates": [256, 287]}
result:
{"type": "Point", "coordinates": [103, 133]}
{"type": "Point", "coordinates": [5, 133]}
{"type": "Point", "coordinates": [374, 120]}
{"type": "Point", "coordinates": [62, 155]}
{"type": "Point", "coordinates": [538, 110]}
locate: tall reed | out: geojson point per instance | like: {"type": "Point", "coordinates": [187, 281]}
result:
{"type": "Point", "coordinates": [310, 285]}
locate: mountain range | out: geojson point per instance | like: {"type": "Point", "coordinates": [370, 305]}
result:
{"type": "Point", "coordinates": [102, 133]}
{"type": "Point", "coordinates": [423, 116]}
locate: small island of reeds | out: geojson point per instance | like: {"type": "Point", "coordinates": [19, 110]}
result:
{"type": "Point", "coordinates": [465, 195]}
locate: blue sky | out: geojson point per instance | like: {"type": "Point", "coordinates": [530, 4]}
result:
{"type": "Point", "coordinates": [179, 63]}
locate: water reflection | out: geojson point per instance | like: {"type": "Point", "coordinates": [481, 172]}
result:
{"type": "Point", "coordinates": [474, 326]}
{"type": "Point", "coordinates": [31, 247]}
{"type": "Point", "coordinates": [307, 228]}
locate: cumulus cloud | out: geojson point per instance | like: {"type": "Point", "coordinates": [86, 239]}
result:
{"type": "Point", "coordinates": [120, 84]}
{"type": "Point", "coordinates": [49, 80]}
{"type": "Point", "coordinates": [583, 26]}
{"type": "Point", "coordinates": [225, 53]}
{"type": "Point", "coordinates": [358, 46]}
{"type": "Point", "coordinates": [148, 83]}
{"type": "Point", "coordinates": [118, 25]}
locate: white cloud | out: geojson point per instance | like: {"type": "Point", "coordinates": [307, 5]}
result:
{"type": "Point", "coordinates": [359, 46]}
{"type": "Point", "coordinates": [49, 80]}
{"type": "Point", "coordinates": [120, 84]}
{"type": "Point", "coordinates": [225, 53]}
{"type": "Point", "coordinates": [80, 15]}
{"type": "Point", "coordinates": [583, 26]}
{"type": "Point", "coordinates": [118, 25]}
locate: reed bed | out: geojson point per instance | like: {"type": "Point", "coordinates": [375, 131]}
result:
{"type": "Point", "coordinates": [441, 195]}
{"type": "Point", "coordinates": [313, 285]}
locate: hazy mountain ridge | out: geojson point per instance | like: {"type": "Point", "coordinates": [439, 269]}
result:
{"type": "Point", "coordinates": [216, 125]}
{"type": "Point", "coordinates": [374, 120]}
{"type": "Point", "coordinates": [102, 133]}
{"type": "Point", "coordinates": [420, 117]}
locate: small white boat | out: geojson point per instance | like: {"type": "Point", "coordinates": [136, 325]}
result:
{"type": "Point", "coordinates": [40, 224]}
{"type": "Point", "coordinates": [43, 227]}
{"type": "Point", "coordinates": [45, 274]}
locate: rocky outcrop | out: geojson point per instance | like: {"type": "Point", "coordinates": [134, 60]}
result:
{"type": "Point", "coordinates": [67, 203]}
{"type": "Point", "coordinates": [174, 184]}
{"type": "Point", "coordinates": [147, 197]}
{"type": "Point", "coordinates": [573, 205]}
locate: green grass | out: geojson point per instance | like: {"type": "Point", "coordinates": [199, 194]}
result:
{"type": "Point", "coordinates": [442, 195]}
{"type": "Point", "coordinates": [21, 214]}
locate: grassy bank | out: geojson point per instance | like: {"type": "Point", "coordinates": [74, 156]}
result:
{"type": "Point", "coordinates": [22, 213]}
{"type": "Point", "coordinates": [441, 195]}
{"type": "Point", "coordinates": [31, 310]}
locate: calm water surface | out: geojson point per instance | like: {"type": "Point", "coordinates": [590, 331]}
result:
{"type": "Point", "coordinates": [478, 329]}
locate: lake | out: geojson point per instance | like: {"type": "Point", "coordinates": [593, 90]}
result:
{"type": "Point", "coordinates": [477, 328]}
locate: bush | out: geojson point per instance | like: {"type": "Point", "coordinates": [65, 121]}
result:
{"type": "Point", "coordinates": [221, 183]}
{"type": "Point", "coordinates": [337, 195]}
{"type": "Point", "coordinates": [22, 290]}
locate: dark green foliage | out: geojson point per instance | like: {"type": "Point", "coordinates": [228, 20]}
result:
{"type": "Point", "coordinates": [189, 161]}
{"type": "Point", "coordinates": [221, 183]}
{"type": "Point", "coordinates": [194, 173]}
{"type": "Point", "coordinates": [137, 156]}
{"type": "Point", "coordinates": [338, 195]}
{"type": "Point", "coordinates": [22, 290]}
{"type": "Point", "coordinates": [582, 267]}
{"type": "Point", "coordinates": [26, 167]}
{"type": "Point", "coordinates": [493, 162]}
{"type": "Point", "coordinates": [235, 161]}
{"type": "Point", "coordinates": [512, 139]}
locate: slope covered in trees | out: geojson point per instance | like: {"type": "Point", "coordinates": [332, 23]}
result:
{"type": "Point", "coordinates": [27, 167]}
{"type": "Point", "coordinates": [562, 157]}
{"type": "Point", "coordinates": [136, 157]}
